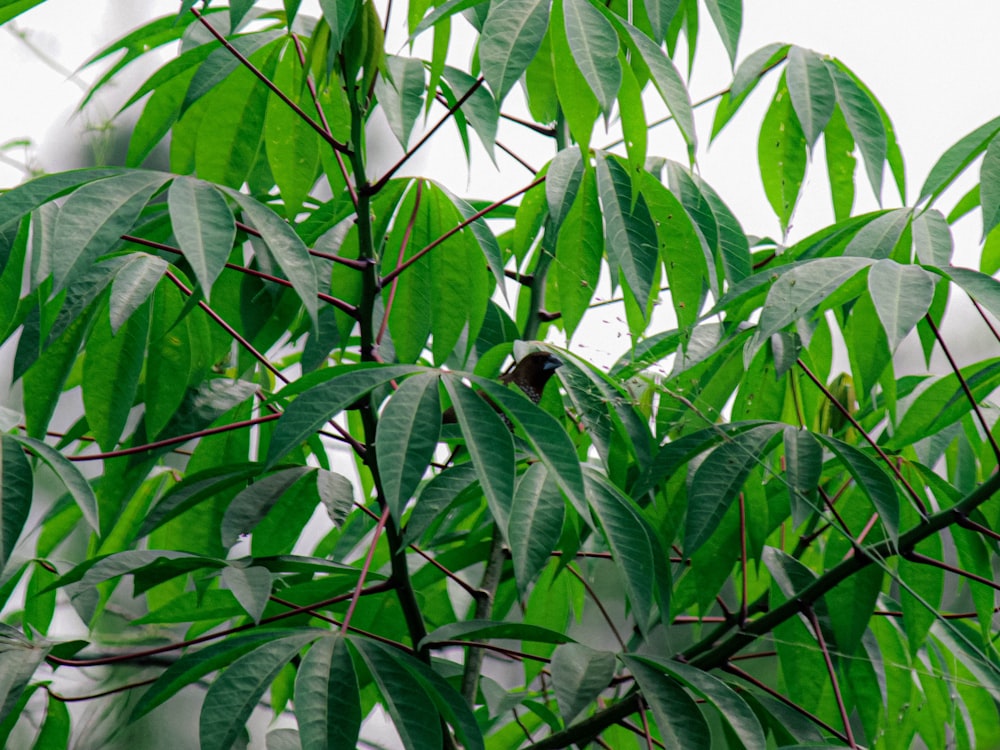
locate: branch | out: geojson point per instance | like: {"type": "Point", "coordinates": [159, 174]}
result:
{"type": "Point", "coordinates": [337, 145]}
{"type": "Point", "coordinates": [372, 189]}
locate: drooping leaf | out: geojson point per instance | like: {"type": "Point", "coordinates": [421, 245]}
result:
{"type": "Point", "coordinates": [932, 238]}
{"type": "Point", "coordinates": [16, 482]}
{"type": "Point", "coordinates": [535, 523]}
{"type": "Point", "coordinates": [251, 585]}
{"type": "Point", "coordinates": [490, 447]}
{"type": "Point", "coordinates": [865, 123]}
{"type": "Point", "coordinates": [338, 389]}
{"type": "Point", "coordinates": [94, 217]}
{"type": "Point", "coordinates": [69, 475]}
{"type": "Point", "coordinates": [407, 434]}
{"type": "Point", "coordinates": [111, 374]}
{"type": "Point", "coordinates": [511, 36]}
{"type": "Point", "coordinates": [562, 181]}
{"type": "Point", "coordinates": [286, 247]}
{"type": "Point", "coordinates": [248, 508]}
{"type": "Point", "coordinates": [579, 675]}
{"type": "Point", "coordinates": [954, 161]}
{"type": "Point", "coordinates": [630, 233]}
{"type": "Point", "coordinates": [902, 296]}
{"type": "Point", "coordinates": [781, 152]}
{"type": "Point", "coordinates": [230, 700]}
{"type": "Point", "coordinates": [718, 481]}
{"type": "Point", "coordinates": [803, 469]}
{"type": "Point", "coordinates": [727, 15]}
{"type": "Point", "coordinates": [812, 92]}
{"type": "Point", "coordinates": [871, 479]}
{"type": "Point", "coordinates": [133, 284]}
{"type": "Point", "coordinates": [733, 709]}
{"type": "Point", "coordinates": [326, 696]}
{"type": "Point", "coordinates": [594, 45]}
{"type": "Point", "coordinates": [204, 228]}
{"type": "Point", "coordinates": [678, 717]}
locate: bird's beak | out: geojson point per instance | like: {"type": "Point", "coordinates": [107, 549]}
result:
{"type": "Point", "coordinates": [552, 363]}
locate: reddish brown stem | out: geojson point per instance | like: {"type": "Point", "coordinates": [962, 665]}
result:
{"type": "Point", "coordinates": [864, 433]}
{"type": "Point", "coordinates": [811, 614]}
{"type": "Point", "coordinates": [270, 84]}
{"type": "Point", "coordinates": [454, 230]}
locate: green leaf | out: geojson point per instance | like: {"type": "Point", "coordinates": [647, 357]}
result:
{"type": "Point", "coordinates": [840, 164]}
{"type": "Point", "coordinates": [336, 493]}
{"type": "Point", "coordinates": [718, 481]}
{"type": "Point", "coordinates": [412, 711]}
{"type": "Point", "coordinates": [221, 63]}
{"type": "Point", "coordinates": [511, 36]}
{"type": "Point", "coordinates": [402, 95]}
{"type": "Point", "coordinates": [251, 585]}
{"type": "Point", "coordinates": [579, 105]}
{"type": "Point", "coordinates": [407, 435]}
{"type": "Point", "coordinates": [204, 227]}
{"type": "Point", "coordinates": [631, 543]}
{"type": "Point", "coordinates": [879, 237]}
{"type": "Point", "coordinates": [630, 235]}
{"type": "Point", "coordinates": [75, 483]}
{"type": "Point", "coordinates": [111, 369]}
{"type": "Point", "coordinates": [19, 658]}
{"type": "Point", "coordinates": [594, 45]}
{"type": "Point", "coordinates": [27, 197]}
{"type": "Point", "coordinates": [952, 163]}
{"type": "Point", "coordinates": [579, 251]}
{"type": "Point", "coordinates": [735, 711]}
{"type": "Point", "coordinates": [803, 470]}
{"type": "Point", "coordinates": [579, 675]}
{"type": "Point", "coordinates": [247, 509]}
{"type": "Point", "coordinates": [194, 665]}
{"type": "Point", "coordinates": [545, 435]}
{"type": "Point", "coordinates": [233, 696]}
{"type": "Point", "coordinates": [781, 152]}
{"type": "Point", "coordinates": [871, 479]}
{"type": "Point", "coordinates": [667, 81]}
{"type": "Point", "coordinates": [865, 123]}
{"type": "Point", "coordinates": [680, 246]}
{"type": "Point", "coordinates": [450, 705]}
{"type": "Point", "coordinates": [678, 717]}
{"type": "Point", "coordinates": [478, 630]}
{"type": "Point", "coordinates": [932, 238]}
{"type": "Point", "coordinates": [286, 248]}
{"type": "Point", "coordinates": [535, 524]}
{"type": "Point", "coordinates": [94, 217]}
{"type": "Point", "coordinates": [989, 186]}
{"type": "Point", "coordinates": [327, 699]}
{"type": "Point", "coordinates": [16, 482]}
{"type": "Point", "coordinates": [490, 447]}
{"type": "Point", "coordinates": [134, 282]}
{"type": "Point", "coordinates": [661, 13]}
{"type": "Point", "coordinates": [727, 15]}
{"type": "Point", "coordinates": [343, 386]}
{"type": "Point", "coordinates": [481, 111]}
{"type": "Point", "coordinates": [339, 16]}
{"type": "Point", "coordinates": [562, 182]}
{"type": "Point", "coordinates": [812, 91]}
{"type": "Point", "coordinates": [902, 296]}
{"type": "Point", "coordinates": [799, 291]}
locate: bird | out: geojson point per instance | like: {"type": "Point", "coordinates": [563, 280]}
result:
{"type": "Point", "coordinates": [530, 375]}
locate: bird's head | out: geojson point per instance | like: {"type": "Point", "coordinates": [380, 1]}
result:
{"type": "Point", "coordinates": [532, 373]}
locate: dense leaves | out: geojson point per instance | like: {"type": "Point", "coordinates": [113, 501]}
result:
{"type": "Point", "coordinates": [273, 449]}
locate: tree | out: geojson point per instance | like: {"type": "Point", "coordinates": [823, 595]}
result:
{"type": "Point", "coordinates": [777, 553]}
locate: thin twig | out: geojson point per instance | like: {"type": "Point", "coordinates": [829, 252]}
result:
{"type": "Point", "coordinates": [965, 386]}
{"type": "Point", "coordinates": [377, 186]}
{"type": "Point", "coordinates": [270, 84]}
{"type": "Point", "coordinates": [864, 433]}
{"type": "Point", "coordinates": [811, 614]}
{"type": "Point", "coordinates": [454, 230]}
